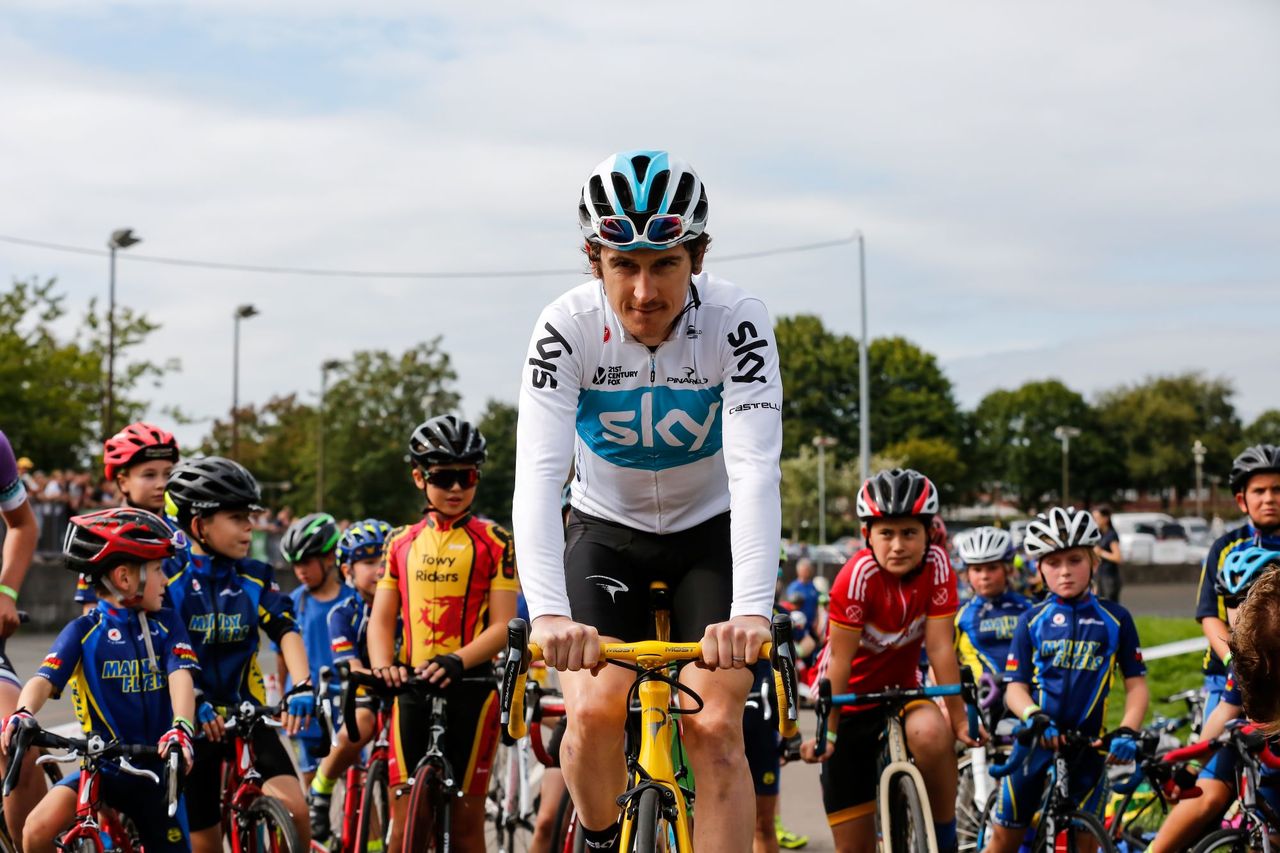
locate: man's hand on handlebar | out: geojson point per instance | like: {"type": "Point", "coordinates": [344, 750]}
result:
{"type": "Point", "coordinates": [734, 644]}
{"type": "Point", "coordinates": [565, 644]}
{"type": "Point", "coordinates": [394, 676]}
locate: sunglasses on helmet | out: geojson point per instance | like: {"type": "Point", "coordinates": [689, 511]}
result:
{"type": "Point", "coordinates": [447, 478]}
{"type": "Point", "coordinates": [620, 232]}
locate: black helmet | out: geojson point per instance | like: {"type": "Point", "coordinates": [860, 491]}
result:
{"type": "Point", "coordinates": [446, 440]}
{"type": "Point", "coordinates": [204, 486]}
{"type": "Point", "coordinates": [309, 536]}
{"type": "Point", "coordinates": [1259, 459]}
{"type": "Point", "coordinates": [898, 493]}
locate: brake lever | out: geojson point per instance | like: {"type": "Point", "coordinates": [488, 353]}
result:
{"type": "Point", "coordinates": [137, 771]}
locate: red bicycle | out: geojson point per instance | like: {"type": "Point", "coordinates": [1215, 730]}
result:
{"type": "Point", "coordinates": [252, 821]}
{"type": "Point", "coordinates": [366, 805]}
{"type": "Point", "coordinates": [93, 817]}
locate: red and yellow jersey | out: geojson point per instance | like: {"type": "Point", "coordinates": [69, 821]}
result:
{"type": "Point", "coordinates": [444, 572]}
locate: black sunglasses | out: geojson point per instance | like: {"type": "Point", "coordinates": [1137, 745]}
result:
{"type": "Point", "coordinates": [447, 478]}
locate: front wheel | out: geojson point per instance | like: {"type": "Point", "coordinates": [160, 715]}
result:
{"type": "Point", "coordinates": [1227, 841]}
{"type": "Point", "coordinates": [647, 830]}
{"type": "Point", "coordinates": [374, 820]}
{"type": "Point", "coordinates": [268, 828]}
{"type": "Point", "coordinates": [1080, 827]}
{"type": "Point", "coordinates": [907, 830]}
{"type": "Point", "coordinates": [426, 827]}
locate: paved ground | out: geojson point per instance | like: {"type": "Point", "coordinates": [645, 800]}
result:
{"type": "Point", "coordinates": [801, 793]}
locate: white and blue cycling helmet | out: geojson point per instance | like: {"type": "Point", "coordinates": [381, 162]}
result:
{"type": "Point", "coordinates": [642, 200]}
{"type": "Point", "coordinates": [985, 545]}
{"type": "Point", "coordinates": [1242, 567]}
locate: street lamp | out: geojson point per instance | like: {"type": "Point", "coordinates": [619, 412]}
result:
{"type": "Point", "coordinates": [864, 392]}
{"type": "Point", "coordinates": [822, 442]}
{"type": "Point", "coordinates": [243, 312]}
{"type": "Point", "coordinates": [325, 367]}
{"type": "Point", "coordinates": [1197, 451]}
{"type": "Point", "coordinates": [121, 238]}
{"type": "Point", "coordinates": [1065, 434]}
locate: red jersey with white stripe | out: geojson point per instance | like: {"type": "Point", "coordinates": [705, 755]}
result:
{"type": "Point", "coordinates": [890, 611]}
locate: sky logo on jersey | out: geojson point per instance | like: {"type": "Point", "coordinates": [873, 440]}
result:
{"type": "Point", "coordinates": [651, 428]}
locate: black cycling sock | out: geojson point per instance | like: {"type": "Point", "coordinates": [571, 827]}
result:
{"type": "Point", "coordinates": [601, 839]}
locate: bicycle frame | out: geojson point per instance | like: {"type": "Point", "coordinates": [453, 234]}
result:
{"type": "Point", "coordinates": [380, 749]}
{"type": "Point", "coordinates": [88, 811]}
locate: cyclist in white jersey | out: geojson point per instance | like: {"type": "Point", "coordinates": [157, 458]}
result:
{"type": "Point", "coordinates": [659, 383]}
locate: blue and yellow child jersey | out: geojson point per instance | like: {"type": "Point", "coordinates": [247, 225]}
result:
{"type": "Point", "coordinates": [984, 628]}
{"type": "Point", "coordinates": [118, 691]}
{"type": "Point", "coordinates": [1208, 602]}
{"type": "Point", "coordinates": [222, 604]}
{"type": "Point", "coordinates": [1065, 651]}
{"type": "Point", "coordinates": [349, 631]}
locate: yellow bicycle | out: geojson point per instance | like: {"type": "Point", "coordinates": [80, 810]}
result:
{"type": "Point", "coordinates": [655, 808]}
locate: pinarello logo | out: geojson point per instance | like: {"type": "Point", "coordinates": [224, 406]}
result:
{"type": "Point", "coordinates": [607, 334]}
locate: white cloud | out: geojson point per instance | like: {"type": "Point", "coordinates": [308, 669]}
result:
{"type": "Point", "coordinates": [1022, 173]}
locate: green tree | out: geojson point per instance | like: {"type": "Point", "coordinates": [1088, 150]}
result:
{"type": "Point", "coordinates": [277, 443]}
{"type": "Point", "coordinates": [800, 493]}
{"type": "Point", "coordinates": [53, 382]}
{"type": "Point", "coordinates": [910, 395]}
{"type": "Point", "coordinates": [1013, 444]}
{"type": "Point", "coordinates": [498, 425]}
{"type": "Point", "coordinates": [1265, 429]}
{"type": "Point", "coordinates": [1158, 420]}
{"type": "Point", "coordinates": [937, 458]}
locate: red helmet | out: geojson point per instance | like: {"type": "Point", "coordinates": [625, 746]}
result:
{"type": "Point", "coordinates": [138, 442]}
{"type": "Point", "coordinates": [100, 541]}
{"type": "Point", "coordinates": [898, 493]}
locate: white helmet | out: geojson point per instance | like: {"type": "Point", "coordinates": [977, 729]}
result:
{"type": "Point", "coordinates": [642, 200]}
{"type": "Point", "coordinates": [984, 545]}
{"type": "Point", "coordinates": [1059, 529]}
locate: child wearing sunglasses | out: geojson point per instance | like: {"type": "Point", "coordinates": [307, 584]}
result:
{"type": "Point", "coordinates": [450, 581]}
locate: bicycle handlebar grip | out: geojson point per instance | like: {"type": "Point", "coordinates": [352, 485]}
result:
{"type": "Point", "coordinates": [1020, 753]}
{"type": "Point", "coordinates": [513, 678]}
{"type": "Point", "coordinates": [18, 748]}
{"type": "Point", "coordinates": [969, 692]}
{"type": "Point", "coordinates": [348, 700]}
{"type": "Point", "coordinates": [1130, 784]}
{"type": "Point", "coordinates": [824, 711]}
{"type": "Point", "coordinates": [1199, 749]}
{"type": "Point", "coordinates": [782, 659]}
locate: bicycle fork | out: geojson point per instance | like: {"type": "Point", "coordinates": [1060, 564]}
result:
{"type": "Point", "coordinates": [900, 763]}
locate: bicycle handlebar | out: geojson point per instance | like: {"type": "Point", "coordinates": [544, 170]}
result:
{"type": "Point", "coordinates": [352, 679]}
{"type": "Point", "coordinates": [967, 689]}
{"type": "Point", "coordinates": [521, 653]}
{"type": "Point", "coordinates": [30, 734]}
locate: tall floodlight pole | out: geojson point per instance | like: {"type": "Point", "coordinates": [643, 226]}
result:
{"type": "Point", "coordinates": [822, 442]}
{"type": "Point", "coordinates": [121, 238]}
{"type": "Point", "coordinates": [864, 393]}
{"type": "Point", "coordinates": [243, 312]}
{"type": "Point", "coordinates": [1065, 434]}
{"type": "Point", "coordinates": [1197, 451]}
{"type": "Point", "coordinates": [325, 367]}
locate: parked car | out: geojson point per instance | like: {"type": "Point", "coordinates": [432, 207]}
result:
{"type": "Point", "coordinates": [1152, 537]}
{"type": "Point", "coordinates": [1197, 529]}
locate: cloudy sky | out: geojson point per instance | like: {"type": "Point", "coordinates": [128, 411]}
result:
{"type": "Point", "coordinates": [1090, 191]}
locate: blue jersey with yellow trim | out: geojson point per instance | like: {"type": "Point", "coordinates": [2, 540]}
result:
{"type": "Point", "coordinates": [984, 628]}
{"type": "Point", "coordinates": [223, 603]}
{"type": "Point", "coordinates": [312, 616]}
{"type": "Point", "coordinates": [1065, 651]}
{"type": "Point", "coordinates": [118, 691]}
{"type": "Point", "coordinates": [349, 630]}
{"type": "Point", "coordinates": [1208, 602]}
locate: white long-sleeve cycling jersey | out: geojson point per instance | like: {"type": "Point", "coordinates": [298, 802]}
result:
{"type": "Point", "coordinates": [661, 439]}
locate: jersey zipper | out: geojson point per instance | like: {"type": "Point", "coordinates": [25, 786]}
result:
{"type": "Point", "coordinates": [657, 495]}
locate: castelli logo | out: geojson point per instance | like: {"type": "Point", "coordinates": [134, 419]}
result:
{"type": "Point", "coordinates": [607, 334]}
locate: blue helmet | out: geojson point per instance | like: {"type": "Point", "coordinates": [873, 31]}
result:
{"type": "Point", "coordinates": [1242, 567]}
{"type": "Point", "coordinates": [363, 540]}
{"type": "Point", "coordinates": [642, 200]}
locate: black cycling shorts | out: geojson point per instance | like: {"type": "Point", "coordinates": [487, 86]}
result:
{"type": "Point", "coordinates": [609, 566]}
{"type": "Point", "coordinates": [470, 739]}
{"type": "Point", "coordinates": [851, 776]}
{"type": "Point", "coordinates": [203, 786]}
{"type": "Point", "coordinates": [760, 732]}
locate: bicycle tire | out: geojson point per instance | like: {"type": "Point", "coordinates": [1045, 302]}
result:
{"type": "Point", "coordinates": [645, 834]}
{"type": "Point", "coordinates": [907, 831]}
{"type": "Point", "coordinates": [505, 833]}
{"type": "Point", "coordinates": [1225, 841]}
{"type": "Point", "coordinates": [85, 845]}
{"type": "Point", "coordinates": [1079, 824]}
{"type": "Point", "coordinates": [968, 813]}
{"type": "Point", "coordinates": [268, 828]}
{"type": "Point", "coordinates": [375, 806]}
{"type": "Point", "coordinates": [427, 820]}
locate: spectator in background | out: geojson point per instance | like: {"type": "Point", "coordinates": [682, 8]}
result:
{"type": "Point", "coordinates": [803, 586]}
{"type": "Point", "coordinates": [1107, 577]}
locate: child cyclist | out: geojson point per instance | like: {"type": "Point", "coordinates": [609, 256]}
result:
{"type": "Point", "coordinates": [224, 599]}
{"type": "Point", "coordinates": [310, 546]}
{"type": "Point", "coordinates": [451, 580]}
{"type": "Point", "coordinates": [892, 596]}
{"type": "Point", "coordinates": [1248, 583]}
{"type": "Point", "coordinates": [130, 667]}
{"type": "Point", "coordinates": [1059, 671]}
{"type": "Point", "coordinates": [1255, 482]}
{"type": "Point", "coordinates": [984, 626]}
{"type": "Point", "coordinates": [360, 555]}
{"type": "Point", "coordinates": [138, 459]}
